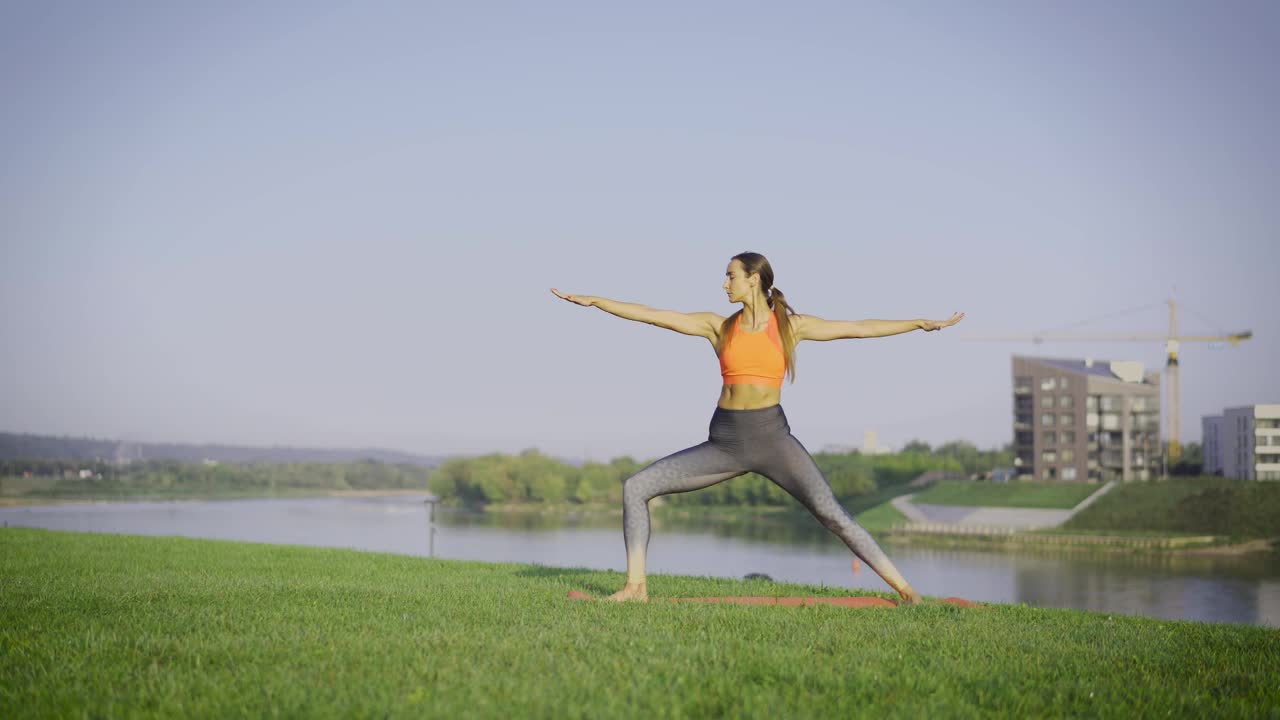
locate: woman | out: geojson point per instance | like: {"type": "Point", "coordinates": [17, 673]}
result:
{"type": "Point", "coordinates": [749, 432]}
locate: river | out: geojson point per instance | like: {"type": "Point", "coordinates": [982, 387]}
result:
{"type": "Point", "coordinates": [1162, 585]}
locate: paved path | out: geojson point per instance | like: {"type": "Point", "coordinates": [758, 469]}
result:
{"type": "Point", "coordinates": [1001, 517]}
{"type": "Point", "coordinates": [904, 506]}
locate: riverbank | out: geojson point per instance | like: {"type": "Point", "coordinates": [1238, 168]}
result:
{"type": "Point", "coordinates": [775, 522]}
{"type": "Point", "coordinates": [1186, 515]}
{"type": "Point", "coordinates": [179, 496]}
{"type": "Point", "coordinates": [1041, 540]}
{"type": "Point", "coordinates": [167, 627]}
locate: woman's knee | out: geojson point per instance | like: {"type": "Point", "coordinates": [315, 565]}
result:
{"type": "Point", "coordinates": [828, 511]}
{"type": "Point", "coordinates": [637, 488]}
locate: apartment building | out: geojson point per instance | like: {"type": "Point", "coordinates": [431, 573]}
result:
{"type": "Point", "coordinates": [1245, 442]}
{"type": "Point", "coordinates": [1085, 420]}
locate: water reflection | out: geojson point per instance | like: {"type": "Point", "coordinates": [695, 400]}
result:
{"type": "Point", "coordinates": [1214, 589]}
{"type": "Point", "coordinates": [787, 548]}
{"type": "Point", "coordinates": [791, 529]}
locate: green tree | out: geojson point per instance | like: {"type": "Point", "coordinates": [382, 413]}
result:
{"type": "Point", "coordinates": [490, 475]}
{"type": "Point", "coordinates": [916, 446]}
{"type": "Point", "coordinates": [1191, 462]}
{"type": "Point", "coordinates": [548, 486]}
{"type": "Point", "coordinates": [596, 483]}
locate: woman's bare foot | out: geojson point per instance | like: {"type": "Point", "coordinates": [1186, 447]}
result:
{"type": "Point", "coordinates": [631, 592]}
{"type": "Point", "coordinates": [911, 597]}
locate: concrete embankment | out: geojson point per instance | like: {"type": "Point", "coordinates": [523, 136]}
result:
{"type": "Point", "coordinates": [963, 519]}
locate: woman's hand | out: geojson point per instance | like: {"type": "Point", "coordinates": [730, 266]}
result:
{"type": "Point", "coordinates": [929, 325]}
{"type": "Point", "coordinates": [584, 300]}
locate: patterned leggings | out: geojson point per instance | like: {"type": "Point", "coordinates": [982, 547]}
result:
{"type": "Point", "coordinates": [743, 441]}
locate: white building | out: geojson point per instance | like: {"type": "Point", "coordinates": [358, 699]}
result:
{"type": "Point", "coordinates": [1247, 441]}
{"type": "Point", "coordinates": [1211, 443]}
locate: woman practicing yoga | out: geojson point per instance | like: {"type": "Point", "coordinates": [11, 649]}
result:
{"type": "Point", "coordinates": [749, 432]}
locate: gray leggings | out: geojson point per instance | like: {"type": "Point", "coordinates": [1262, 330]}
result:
{"type": "Point", "coordinates": [743, 441]}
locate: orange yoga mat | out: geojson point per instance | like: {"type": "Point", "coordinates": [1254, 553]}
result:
{"type": "Point", "coordinates": [849, 602]}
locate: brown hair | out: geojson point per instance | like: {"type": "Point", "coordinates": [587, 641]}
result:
{"type": "Point", "coordinates": [757, 264]}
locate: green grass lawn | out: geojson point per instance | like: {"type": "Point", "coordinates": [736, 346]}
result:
{"type": "Point", "coordinates": [1011, 494]}
{"type": "Point", "coordinates": [1217, 506]}
{"type": "Point", "coordinates": [880, 518]}
{"type": "Point", "coordinates": [103, 626]}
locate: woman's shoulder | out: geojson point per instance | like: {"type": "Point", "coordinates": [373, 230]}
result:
{"type": "Point", "coordinates": [711, 318]}
{"type": "Point", "coordinates": [801, 325]}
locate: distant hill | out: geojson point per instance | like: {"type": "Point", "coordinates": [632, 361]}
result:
{"type": "Point", "coordinates": [47, 447]}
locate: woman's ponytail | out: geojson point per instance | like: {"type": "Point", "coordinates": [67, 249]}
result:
{"type": "Point", "coordinates": [780, 312]}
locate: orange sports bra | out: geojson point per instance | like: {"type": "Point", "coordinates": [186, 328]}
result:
{"type": "Point", "coordinates": [754, 358]}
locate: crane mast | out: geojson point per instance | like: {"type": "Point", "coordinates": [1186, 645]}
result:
{"type": "Point", "coordinates": [1175, 386]}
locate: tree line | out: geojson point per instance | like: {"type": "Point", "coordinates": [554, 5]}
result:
{"type": "Point", "coordinates": [527, 477]}
{"type": "Point", "coordinates": [14, 446]}
{"type": "Point", "coordinates": [531, 477]}
{"type": "Point", "coordinates": [172, 477]}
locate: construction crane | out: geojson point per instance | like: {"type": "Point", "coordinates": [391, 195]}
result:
{"type": "Point", "coordinates": [1172, 341]}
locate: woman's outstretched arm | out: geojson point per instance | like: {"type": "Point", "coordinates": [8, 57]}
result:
{"type": "Point", "coordinates": [815, 328]}
{"type": "Point", "coordinates": [701, 324]}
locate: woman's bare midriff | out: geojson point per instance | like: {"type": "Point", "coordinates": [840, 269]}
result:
{"type": "Point", "coordinates": [748, 397]}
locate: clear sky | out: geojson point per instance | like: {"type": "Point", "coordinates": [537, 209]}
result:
{"type": "Point", "coordinates": [335, 224]}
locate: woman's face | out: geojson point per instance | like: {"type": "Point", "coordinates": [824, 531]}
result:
{"type": "Point", "coordinates": [738, 285]}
